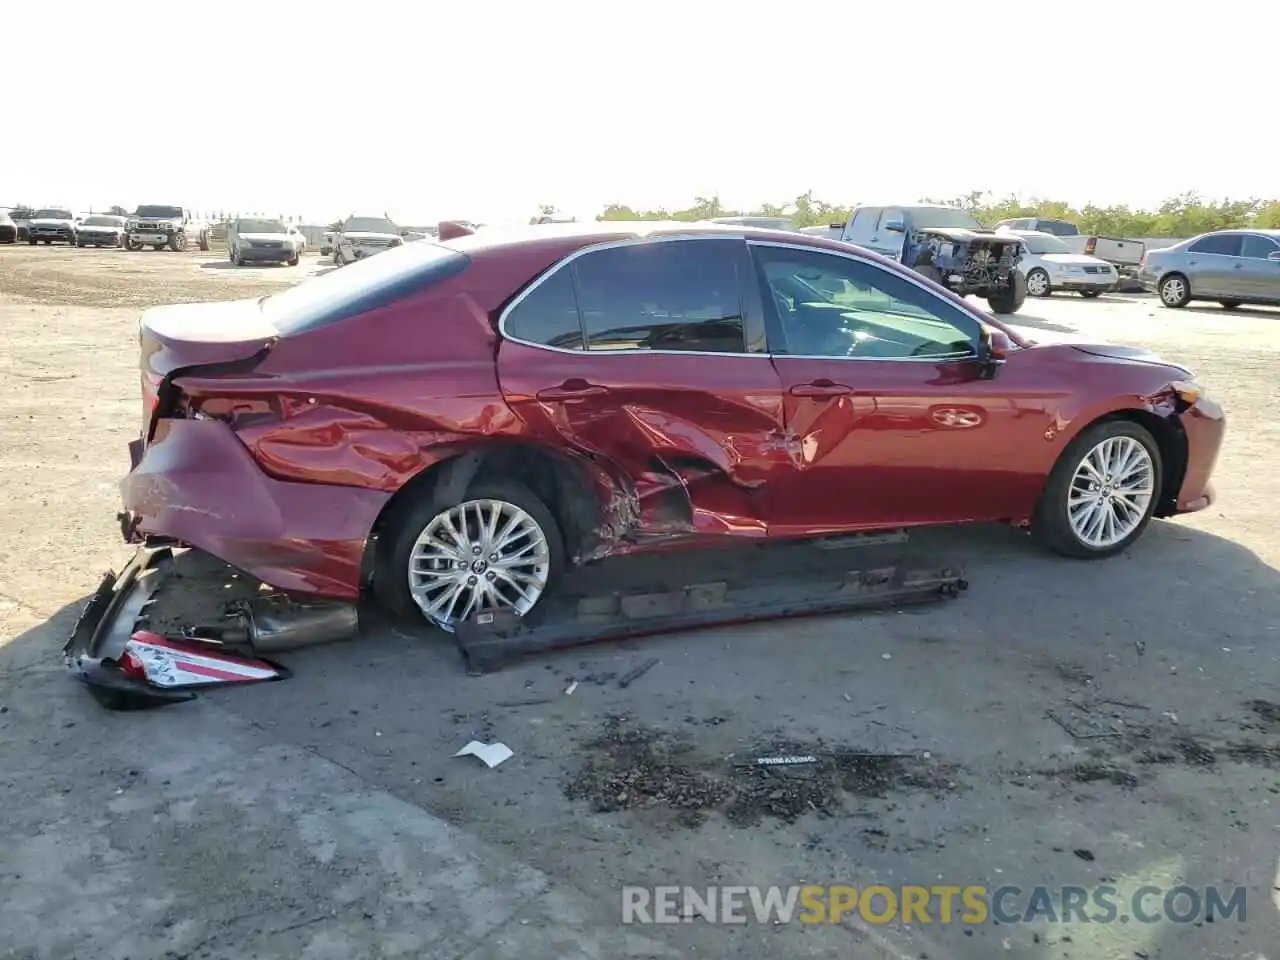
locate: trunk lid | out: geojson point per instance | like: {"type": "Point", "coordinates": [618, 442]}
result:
{"type": "Point", "coordinates": [181, 336]}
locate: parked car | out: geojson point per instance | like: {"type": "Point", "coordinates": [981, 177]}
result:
{"type": "Point", "coordinates": [1229, 266]}
{"type": "Point", "coordinates": [326, 243]}
{"type": "Point", "coordinates": [52, 225]}
{"type": "Point", "coordinates": [1049, 265]}
{"type": "Point", "coordinates": [360, 237]}
{"type": "Point", "coordinates": [159, 226]}
{"type": "Point", "coordinates": [1059, 228]}
{"type": "Point", "coordinates": [1124, 255]}
{"type": "Point", "coordinates": [454, 424]}
{"type": "Point", "coordinates": [259, 240]}
{"type": "Point", "coordinates": [946, 244]}
{"type": "Point", "coordinates": [8, 229]}
{"type": "Point", "coordinates": [101, 230]}
{"type": "Point", "coordinates": [299, 238]}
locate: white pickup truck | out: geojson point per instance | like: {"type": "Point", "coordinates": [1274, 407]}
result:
{"type": "Point", "coordinates": [1124, 255]}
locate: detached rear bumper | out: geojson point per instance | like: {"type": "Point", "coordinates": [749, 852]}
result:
{"type": "Point", "coordinates": [198, 485]}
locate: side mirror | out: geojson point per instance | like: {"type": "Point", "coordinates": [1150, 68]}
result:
{"type": "Point", "coordinates": [994, 347]}
{"type": "Point", "coordinates": [1274, 256]}
{"type": "Point", "coordinates": [895, 226]}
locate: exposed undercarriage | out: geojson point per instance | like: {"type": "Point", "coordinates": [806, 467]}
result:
{"type": "Point", "coordinates": [973, 264]}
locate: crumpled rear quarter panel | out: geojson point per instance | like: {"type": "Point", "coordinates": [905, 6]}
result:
{"type": "Point", "coordinates": [197, 483]}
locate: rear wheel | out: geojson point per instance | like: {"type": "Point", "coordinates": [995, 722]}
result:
{"type": "Point", "coordinates": [1101, 493]}
{"type": "Point", "coordinates": [1038, 283]}
{"type": "Point", "coordinates": [498, 549]}
{"type": "Point", "coordinates": [1175, 291]}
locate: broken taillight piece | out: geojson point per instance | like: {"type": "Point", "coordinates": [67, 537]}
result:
{"type": "Point", "coordinates": [1091, 245]}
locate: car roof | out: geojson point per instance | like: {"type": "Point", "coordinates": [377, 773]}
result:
{"type": "Point", "coordinates": [1273, 233]}
{"type": "Point", "coordinates": [585, 234]}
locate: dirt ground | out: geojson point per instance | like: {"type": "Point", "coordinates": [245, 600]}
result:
{"type": "Point", "coordinates": [1060, 724]}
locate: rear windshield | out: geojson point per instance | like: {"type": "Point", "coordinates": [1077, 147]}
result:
{"type": "Point", "coordinates": [103, 221]}
{"type": "Point", "coordinates": [53, 213]}
{"type": "Point", "coordinates": [261, 226]}
{"type": "Point", "coordinates": [361, 286]}
{"type": "Point", "coordinates": [370, 225]}
{"type": "Point", "coordinates": [163, 212]}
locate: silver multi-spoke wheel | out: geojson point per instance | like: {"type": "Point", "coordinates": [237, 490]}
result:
{"type": "Point", "coordinates": [1173, 291]}
{"type": "Point", "coordinates": [484, 554]}
{"type": "Point", "coordinates": [1037, 283]}
{"type": "Point", "coordinates": [1110, 492]}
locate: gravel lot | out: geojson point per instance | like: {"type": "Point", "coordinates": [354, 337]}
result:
{"type": "Point", "coordinates": [325, 817]}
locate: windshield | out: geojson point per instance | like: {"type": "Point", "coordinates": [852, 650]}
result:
{"type": "Point", "coordinates": [943, 217]}
{"type": "Point", "coordinates": [370, 225]}
{"type": "Point", "coordinates": [163, 213]}
{"type": "Point", "coordinates": [261, 226]}
{"type": "Point", "coordinates": [53, 214]}
{"type": "Point", "coordinates": [363, 286]}
{"type": "Point", "coordinates": [1046, 245]}
{"type": "Point", "coordinates": [103, 221]}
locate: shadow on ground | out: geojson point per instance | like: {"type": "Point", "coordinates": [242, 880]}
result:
{"type": "Point", "coordinates": [1084, 724]}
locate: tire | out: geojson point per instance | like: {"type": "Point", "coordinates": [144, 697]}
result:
{"type": "Point", "coordinates": [1230, 304]}
{"type": "Point", "coordinates": [157, 246]}
{"type": "Point", "coordinates": [392, 575]}
{"type": "Point", "coordinates": [204, 242]}
{"type": "Point", "coordinates": [80, 244]}
{"type": "Point", "coordinates": [1175, 291]}
{"type": "Point", "coordinates": [929, 272]}
{"type": "Point", "coordinates": [235, 257]}
{"type": "Point", "coordinates": [1052, 525]}
{"type": "Point", "coordinates": [1038, 283]}
{"type": "Point", "coordinates": [1011, 298]}
{"type": "Point", "coordinates": [293, 262]}
{"type": "Point", "coordinates": [31, 240]}
{"type": "Point", "coordinates": [178, 242]}
{"type": "Point", "coordinates": [1090, 294]}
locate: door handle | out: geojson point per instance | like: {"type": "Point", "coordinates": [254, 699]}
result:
{"type": "Point", "coordinates": [1239, 266]}
{"type": "Point", "coordinates": [820, 388]}
{"type": "Point", "coordinates": [572, 389]}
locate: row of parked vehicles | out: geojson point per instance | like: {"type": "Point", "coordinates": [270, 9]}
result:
{"type": "Point", "coordinates": [155, 226]}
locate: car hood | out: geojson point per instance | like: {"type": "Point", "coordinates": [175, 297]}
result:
{"type": "Point", "coordinates": [1115, 351]}
{"type": "Point", "coordinates": [51, 222]}
{"type": "Point", "coordinates": [1071, 259]}
{"type": "Point", "coordinates": [964, 234]}
{"type": "Point", "coordinates": [365, 235]}
{"type": "Point", "coordinates": [98, 228]}
{"type": "Point", "coordinates": [263, 236]}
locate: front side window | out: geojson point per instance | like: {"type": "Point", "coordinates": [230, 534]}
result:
{"type": "Point", "coordinates": [548, 315]}
{"type": "Point", "coordinates": [833, 306]}
{"type": "Point", "coordinates": [678, 295]}
{"type": "Point", "coordinates": [1225, 244]}
{"type": "Point", "coordinates": [1257, 247]}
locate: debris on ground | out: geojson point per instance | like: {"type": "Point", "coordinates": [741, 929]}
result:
{"type": "Point", "coordinates": [630, 767]}
{"type": "Point", "coordinates": [631, 676]}
{"type": "Point", "coordinates": [491, 754]}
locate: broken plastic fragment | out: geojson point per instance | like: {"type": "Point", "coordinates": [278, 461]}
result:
{"type": "Point", "coordinates": [168, 663]}
{"type": "Point", "coordinates": [491, 753]}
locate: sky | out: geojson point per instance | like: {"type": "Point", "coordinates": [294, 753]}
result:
{"type": "Point", "coordinates": [434, 110]}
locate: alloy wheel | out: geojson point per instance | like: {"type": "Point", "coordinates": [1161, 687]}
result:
{"type": "Point", "coordinates": [1110, 492]}
{"type": "Point", "coordinates": [479, 555]}
{"type": "Point", "coordinates": [1037, 283]}
{"type": "Point", "coordinates": [1173, 291]}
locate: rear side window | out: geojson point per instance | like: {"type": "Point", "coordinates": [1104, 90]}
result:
{"type": "Point", "coordinates": [548, 315]}
{"type": "Point", "coordinates": [1059, 228]}
{"type": "Point", "coordinates": [679, 295]}
{"type": "Point", "coordinates": [362, 286]}
{"type": "Point", "coordinates": [1227, 244]}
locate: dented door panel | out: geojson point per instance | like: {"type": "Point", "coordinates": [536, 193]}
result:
{"type": "Point", "coordinates": [696, 438]}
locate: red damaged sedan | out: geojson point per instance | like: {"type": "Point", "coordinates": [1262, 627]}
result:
{"type": "Point", "coordinates": [454, 424]}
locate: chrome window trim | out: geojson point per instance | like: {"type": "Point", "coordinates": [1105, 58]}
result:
{"type": "Point", "coordinates": [629, 351]}
{"type": "Point", "coordinates": [905, 275]}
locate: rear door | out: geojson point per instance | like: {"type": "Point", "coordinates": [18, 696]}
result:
{"type": "Point", "coordinates": [1214, 264]}
{"type": "Point", "coordinates": [649, 357]}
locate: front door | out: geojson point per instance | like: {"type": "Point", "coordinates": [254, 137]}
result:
{"type": "Point", "coordinates": [882, 396]}
{"type": "Point", "coordinates": [1214, 264]}
{"type": "Point", "coordinates": [1260, 276]}
{"type": "Point", "coordinates": [888, 242]}
{"type": "Point", "coordinates": [642, 356]}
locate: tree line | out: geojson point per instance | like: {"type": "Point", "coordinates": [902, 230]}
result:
{"type": "Point", "coordinates": [1182, 216]}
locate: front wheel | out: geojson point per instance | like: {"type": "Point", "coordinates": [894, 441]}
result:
{"type": "Point", "coordinates": [178, 242]}
{"type": "Point", "coordinates": [500, 548]}
{"type": "Point", "coordinates": [1038, 283]}
{"type": "Point", "coordinates": [1101, 493]}
{"type": "Point", "coordinates": [1175, 291]}
{"type": "Point", "coordinates": [1230, 304]}
{"type": "Point", "coordinates": [1012, 297]}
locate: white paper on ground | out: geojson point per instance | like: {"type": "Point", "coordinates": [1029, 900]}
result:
{"type": "Point", "coordinates": [491, 753]}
